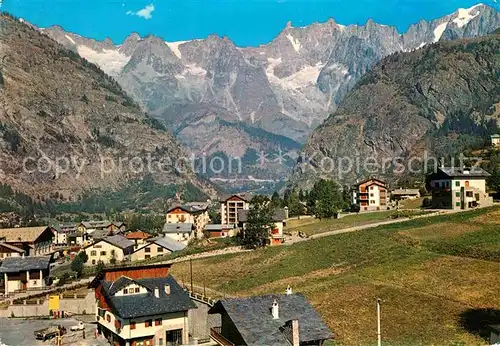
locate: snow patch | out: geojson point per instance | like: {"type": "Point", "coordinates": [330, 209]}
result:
{"type": "Point", "coordinates": [174, 47]}
{"type": "Point", "coordinates": [308, 76]}
{"type": "Point", "coordinates": [295, 43]}
{"type": "Point", "coordinates": [438, 32]}
{"type": "Point", "coordinates": [110, 61]}
{"type": "Point", "coordinates": [465, 16]}
{"type": "Point", "coordinates": [70, 39]}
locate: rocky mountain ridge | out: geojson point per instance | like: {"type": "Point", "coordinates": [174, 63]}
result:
{"type": "Point", "coordinates": [66, 128]}
{"type": "Point", "coordinates": [203, 90]}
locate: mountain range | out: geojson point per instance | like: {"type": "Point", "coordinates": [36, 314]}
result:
{"type": "Point", "coordinates": [258, 102]}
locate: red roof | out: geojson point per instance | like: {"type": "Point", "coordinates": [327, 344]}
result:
{"type": "Point", "coordinates": [138, 235]}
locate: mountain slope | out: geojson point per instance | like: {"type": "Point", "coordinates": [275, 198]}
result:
{"type": "Point", "coordinates": [287, 87]}
{"type": "Point", "coordinates": [65, 125]}
{"type": "Point", "coordinates": [431, 100]}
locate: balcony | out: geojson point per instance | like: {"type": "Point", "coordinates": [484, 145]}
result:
{"type": "Point", "coordinates": [215, 334]}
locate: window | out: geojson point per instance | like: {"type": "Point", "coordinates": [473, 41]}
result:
{"type": "Point", "coordinates": [160, 249]}
{"type": "Point", "coordinates": [93, 253]}
{"type": "Point", "coordinates": [35, 282]}
{"type": "Point", "coordinates": [147, 256]}
{"type": "Point", "coordinates": [137, 290]}
{"type": "Point", "coordinates": [457, 194]}
{"type": "Point", "coordinates": [148, 249]}
{"type": "Point", "coordinates": [103, 253]}
{"type": "Point", "coordinates": [148, 323]}
{"type": "Point", "coordinates": [160, 342]}
{"type": "Point", "coordinates": [158, 322]}
{"type": "Point", "coordinates": [125, 291]}
{"type": "Point", "coordinates": [457, 204]}
{"type": "Point", "coordinates": [457, 183]}
{"type": "Point", "coordinates": [468, 193]}
{"type": "Point", "coordinates": [132, 325]}
{"type": "Point", "coordinates": [371, 194]}
{"type": "Point", "coordinates": [108, 318]}
{"type": "Point", "coordinates": [372, 202]}
{"type": "Point", "coordinates": [93, 261]}
{"type": "Point", "coordinates": [371, 187]}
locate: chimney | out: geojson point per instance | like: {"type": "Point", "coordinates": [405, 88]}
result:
{"type": "Point", "coordinates": [295, 333]}
{"type": "Point", "coordinates": [275, 310]}
{"type": "Point", "coordinates": [157, 292]}
{"type": "Point", "coordinates": [167, 289]}
{"type": "Point", "coordinates": [286, 213]}
{"type": "Point", "coordinates": [288, 290]}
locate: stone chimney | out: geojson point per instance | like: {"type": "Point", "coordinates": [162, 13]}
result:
{"type": "Point", "coordinates": [157, 292]}
{"type": "Point", "coordinates": [288, 290]}
{"type": "Point", "coordinates": [275, 310]}
{"type": "Point", "coordinates": [295, 333]}
{"type": "Point", "coordinates": [167, 289]}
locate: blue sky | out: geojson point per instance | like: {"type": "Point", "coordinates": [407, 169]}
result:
{"type": "Point", "coordinates": [246, 22]}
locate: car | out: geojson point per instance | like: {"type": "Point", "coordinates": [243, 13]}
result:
{"type": "Point", "coordinates": [49, 333]}
{"type": "Point", "coordinates": [76, 327]}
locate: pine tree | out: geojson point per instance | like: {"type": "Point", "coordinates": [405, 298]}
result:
{"type": "Point", "coordinates": [259, 222]}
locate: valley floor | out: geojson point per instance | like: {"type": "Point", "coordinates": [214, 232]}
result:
{"type": "Point", "coordinates": [437, 277]}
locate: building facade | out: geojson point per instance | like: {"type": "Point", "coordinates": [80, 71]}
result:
{"type": "Point", "coordinates": [192, 213]}
{"type": "Point", "coordinates": [276, 235]}
{"type": "Point", "coordinates": [103, 250]}
{"type": "Point", "coordinates": [230, 206]}
{"type": "Point", "coordinates": [459, 188]}
{"type": "Point", "coordinates": [370, 195]}
{"type": "Point", "coordinates": [7, 250]}
{"type": "Point", "coordinates": [24, 273]}
{"type": "Point", "coordinates": [141, 306]}
{"type": "Point", "coordinates": [156, 247]}
{"type": "Point", "coordinates": [35, 241]}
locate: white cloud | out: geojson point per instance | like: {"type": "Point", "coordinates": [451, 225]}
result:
{"type": "Point", "coordinates": [146, 12]}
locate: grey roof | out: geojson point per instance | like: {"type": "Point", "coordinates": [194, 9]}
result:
{"type": "Point", "coordinates": [405, 192]}
{"type": "Point", "coordinates": [119, 241]}
{"type": "Point", "coordinates": [496, 135]}
{"type": "Point", "coordinates": [17, 264]}
{"type": "Point", "coordinates": [146, 304]}
{"type": "Point", "coordinates": [462, 172]}
{"type": "Point", "coordinates": [166, 243]}
{"type": "Point", "coordinates": [100, 234]}
{"type": "Point", "coordinates": [244, 196]}
{"type": "Point", "coordinates": [252, 317]}
{"type": "Point", "coordinates": [11, 247]}
{"type": "Point", "coordinates": [278, 215]}
{"type": "Point", "coordinates": [194, 207]}
{"type": "Point", "coordinates": [219, 227]}
{"type": "Point", "coordinates": [177, 228]}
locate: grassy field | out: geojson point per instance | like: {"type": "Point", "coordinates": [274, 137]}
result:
{"type": "Point", "coordinates": [438, 278]}
{"type": "Point", "coordinates": [412, 203]}
{"type": "Point", "coordinates": [312, 226]}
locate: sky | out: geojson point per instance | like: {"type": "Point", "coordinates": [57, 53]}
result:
{"type": "Point", "coordinates": [246, 22]}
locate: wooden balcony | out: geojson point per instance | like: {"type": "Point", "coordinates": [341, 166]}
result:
{"type": "Point", "coordinates": [215, 334]}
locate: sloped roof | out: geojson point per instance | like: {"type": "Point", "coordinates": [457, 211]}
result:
{"type": "Point", "coordinates": [118, 241]}
{"type": "Point", "coordinates": [218, 227]}
{"type": "Point", "coordinates": [17, 264]}
{"type": "Point", "coordinates": [138, 235]}
{"type": "Point", "coordinates": [177, 228]}
{"type": "Point", "coordinates": [11, 247]}
{"type": "Point", "coordinates": [405, 192]}
{"type": "Point", "coordinates": [464, 172]}
{"type": "Point", "coordinates": [191, 208]}
{"type": "Point", "coordinates": [22, 234]}
{"type": "Point", "coordinates": [146, 304]}
{"type": "Point", "coordinates": [278, 216]}
{"type": "Point", "coordinates": [165, 243]}
{"type": "Point", "coordinates": [247, 197]}
{"type": "Point", "coordinates": [254, 321]}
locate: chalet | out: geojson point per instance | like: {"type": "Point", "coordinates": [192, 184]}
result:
{"type": "Point", "coordinates": [179, 232]}
{"type": "Point", "coordinates": [7, 250]}
{"type": "Point", "coordinates": [156, 247]}
{"type": "Point", "coordinates": [103, 250]}
{"type": "Point", "coordinates": [219, 231]}
{"type": "Point", "coordinates": [90, 227]}
{"type": "Point", "coordinates": [138, 237]}
{"type": "Point", "coordinates": [276, 235]}
{"type": "Point", "coordinates": [370, 195]}
{"type": "Point", "coordinates": [193, 213]}
{"type": "Point", "coordinates": [24, 273]}
{"type": "Point", "coordinates": [61, 232]}
{"type": "Point", "coordinates": [400, 194]}
{"type": "Point", "coordinates": [230, 205]}
{"type": "Point", "coordinates": [459, 188]}
{"type": "Point", "coordinates": [141, 305]}
{"type": "Point", "coordinates": [275, 319]}
{"type": "Point", "coordinates": [35, 241]}
{"type": "Point", "coordinates": [495, 140]}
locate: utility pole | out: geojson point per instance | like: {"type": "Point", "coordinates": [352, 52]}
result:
{"type": "Point", "coordinates": [191, 273]}
{"type": "Point", "coordinates": [379, 335]}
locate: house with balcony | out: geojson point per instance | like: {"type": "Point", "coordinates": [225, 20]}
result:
{"type": "Point", "coordinates": [24, 273]}
{"type": "Point", "coordinates": [7, 250]}
{"type": "Point", "coordinates": [276, 236]}
{"type": "Point", "coordinates": [179, 232]}
{"type": "Point", "coordinates": [138, 237]}
{"type": "Point", "coordinates": [459, 188]}
{"type": "Point", "coordinates": [230, 206]}
{"type": "Point", "coordinates": [35, 241]}
{"type": "Point", "coordinates": [141, 305]}
{"type": "Point", "coordinates": [195, 213]}
{"type": "Point", "coordinates": [103, 250]}
{"type": "Point", "coordinates": [370, 195]}
{"type": "Point", "coordinates": [276, 319]}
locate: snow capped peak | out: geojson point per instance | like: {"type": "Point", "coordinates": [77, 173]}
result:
{"type": "Point", "coordinates": [295, 43]}
{"type": "Point", "coordinates": [465, 15]}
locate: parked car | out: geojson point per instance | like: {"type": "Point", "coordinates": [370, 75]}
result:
{"type": "Point", "coordinates": [79, 326]}
{"type": "Point", "coordinates": [49, 332]}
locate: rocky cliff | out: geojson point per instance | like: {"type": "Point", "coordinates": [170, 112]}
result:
{"type": "Point", "coordinates": [435, 101]}
{"type": "Point", "coordinates": [204, 89]}
{"type": "Point", "coordinates": [67, 128]}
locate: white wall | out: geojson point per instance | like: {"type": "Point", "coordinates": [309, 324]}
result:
{"type": "Point", "coordinates": [105, 258]}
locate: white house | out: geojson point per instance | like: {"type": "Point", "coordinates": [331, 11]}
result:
{"type": "Point", "coordinates": [103, 250]}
